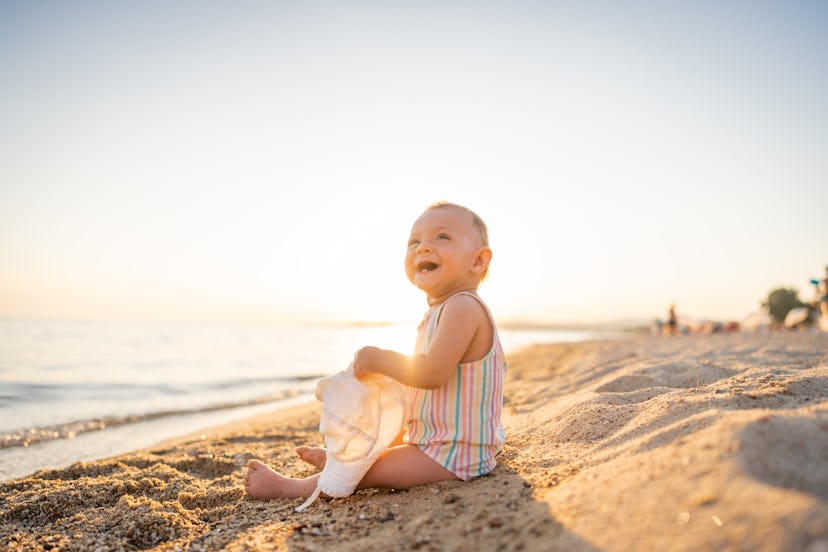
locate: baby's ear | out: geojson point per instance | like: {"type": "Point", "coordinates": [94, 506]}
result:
{"type": "Point", "coordinates": [482, 258]}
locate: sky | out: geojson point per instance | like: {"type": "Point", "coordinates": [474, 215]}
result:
{"type": "Point", "coordinates": [262, 162]}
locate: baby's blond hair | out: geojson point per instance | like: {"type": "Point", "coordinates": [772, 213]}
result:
{"type": "Point", "coordinates": [478, 222]}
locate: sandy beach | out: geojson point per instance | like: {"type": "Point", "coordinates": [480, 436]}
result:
{"type": "Point", "coordinates": [713, 442]}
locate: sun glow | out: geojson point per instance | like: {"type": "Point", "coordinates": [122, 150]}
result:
{"type": "Point", "coordinates": [272, 177]}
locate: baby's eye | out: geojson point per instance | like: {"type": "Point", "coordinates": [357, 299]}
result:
{"type": "Point", "coordinates": [413, 242]}
{"type": "Point", "coordinates": [443, 236]}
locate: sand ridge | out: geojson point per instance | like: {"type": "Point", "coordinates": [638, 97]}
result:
{"type": "Point", "coordinates": [685, 443]}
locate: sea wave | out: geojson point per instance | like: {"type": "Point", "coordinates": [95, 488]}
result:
{"type": "Point", "coordinates": [14, 392]}
{"type": "Point", "coordinates": [38, 434]}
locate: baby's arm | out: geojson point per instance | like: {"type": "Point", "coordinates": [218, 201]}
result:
{"type": "Point", "coordinates": [463, 325]}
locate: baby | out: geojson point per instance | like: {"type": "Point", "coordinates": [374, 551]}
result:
{"type": "Point", "coordinates": [455, 377]}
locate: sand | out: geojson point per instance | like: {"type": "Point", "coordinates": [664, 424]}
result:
{"type": "Point", "coordinates": [684, 443]}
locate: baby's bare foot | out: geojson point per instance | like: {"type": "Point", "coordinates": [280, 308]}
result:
{"type": "Point", "coordinates": [312, 455]}
{"type": "Point", "coordinates": [262, 482]}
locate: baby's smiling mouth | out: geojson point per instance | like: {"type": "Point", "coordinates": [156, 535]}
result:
{"type": "Point", "coordinates": [426, 267]}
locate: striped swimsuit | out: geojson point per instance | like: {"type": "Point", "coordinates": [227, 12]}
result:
{"type": "Point", "coordinates": [458, 425]}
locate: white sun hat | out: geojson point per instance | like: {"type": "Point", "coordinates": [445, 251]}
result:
{"type": "Point", "coordinates": [360, 419]}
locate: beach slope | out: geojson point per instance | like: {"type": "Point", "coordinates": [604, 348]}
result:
{"type": "Point", "coordinates": [687, 443]}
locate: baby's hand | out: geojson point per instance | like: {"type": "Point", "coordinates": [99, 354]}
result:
{"type": "Point", "coordinates": [364, 361]}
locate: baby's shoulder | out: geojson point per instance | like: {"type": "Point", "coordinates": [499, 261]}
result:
{"type": "Point", "coordinates": [465, 306]}
{"type": "Point", "coordinates": [469, 320]}
{"type": "Point", "coordinates": [465, 301]}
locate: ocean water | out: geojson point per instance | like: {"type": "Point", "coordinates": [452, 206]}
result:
{"type": "Point", "coordinates": [74, 391]}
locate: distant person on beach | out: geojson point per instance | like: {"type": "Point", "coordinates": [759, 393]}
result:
{"type": "Point", "coordinates": [823, 295]}
{"type": "Point", "coordinates": [672, 321]}
{"type": "Point", "coordinates": [454, 379]}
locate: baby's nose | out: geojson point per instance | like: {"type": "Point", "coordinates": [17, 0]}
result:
{"type": "Point", "coordinates": [424, 246]}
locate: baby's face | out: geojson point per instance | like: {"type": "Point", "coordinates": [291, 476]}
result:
{"type": "Point", "coordinates": [442, 252]}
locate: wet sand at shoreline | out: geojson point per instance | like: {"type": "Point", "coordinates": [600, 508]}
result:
{"type": "Point", "coordinates": [685, 443]}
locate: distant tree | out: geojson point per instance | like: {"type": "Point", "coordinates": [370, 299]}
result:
{"type": "Point", "coordinates": [780, 301]}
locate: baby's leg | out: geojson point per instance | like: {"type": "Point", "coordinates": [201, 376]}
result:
{"type": "Point", "coordinates": [312, 455]}
{"type": "Point", "coordinates": [262, 482]}
{"type": "Point", "coordinates": [399, 467]}
{"type": "Point", "coordinates": [316, 456]}
{"type": "Point", "coordinates": [402, 467]}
